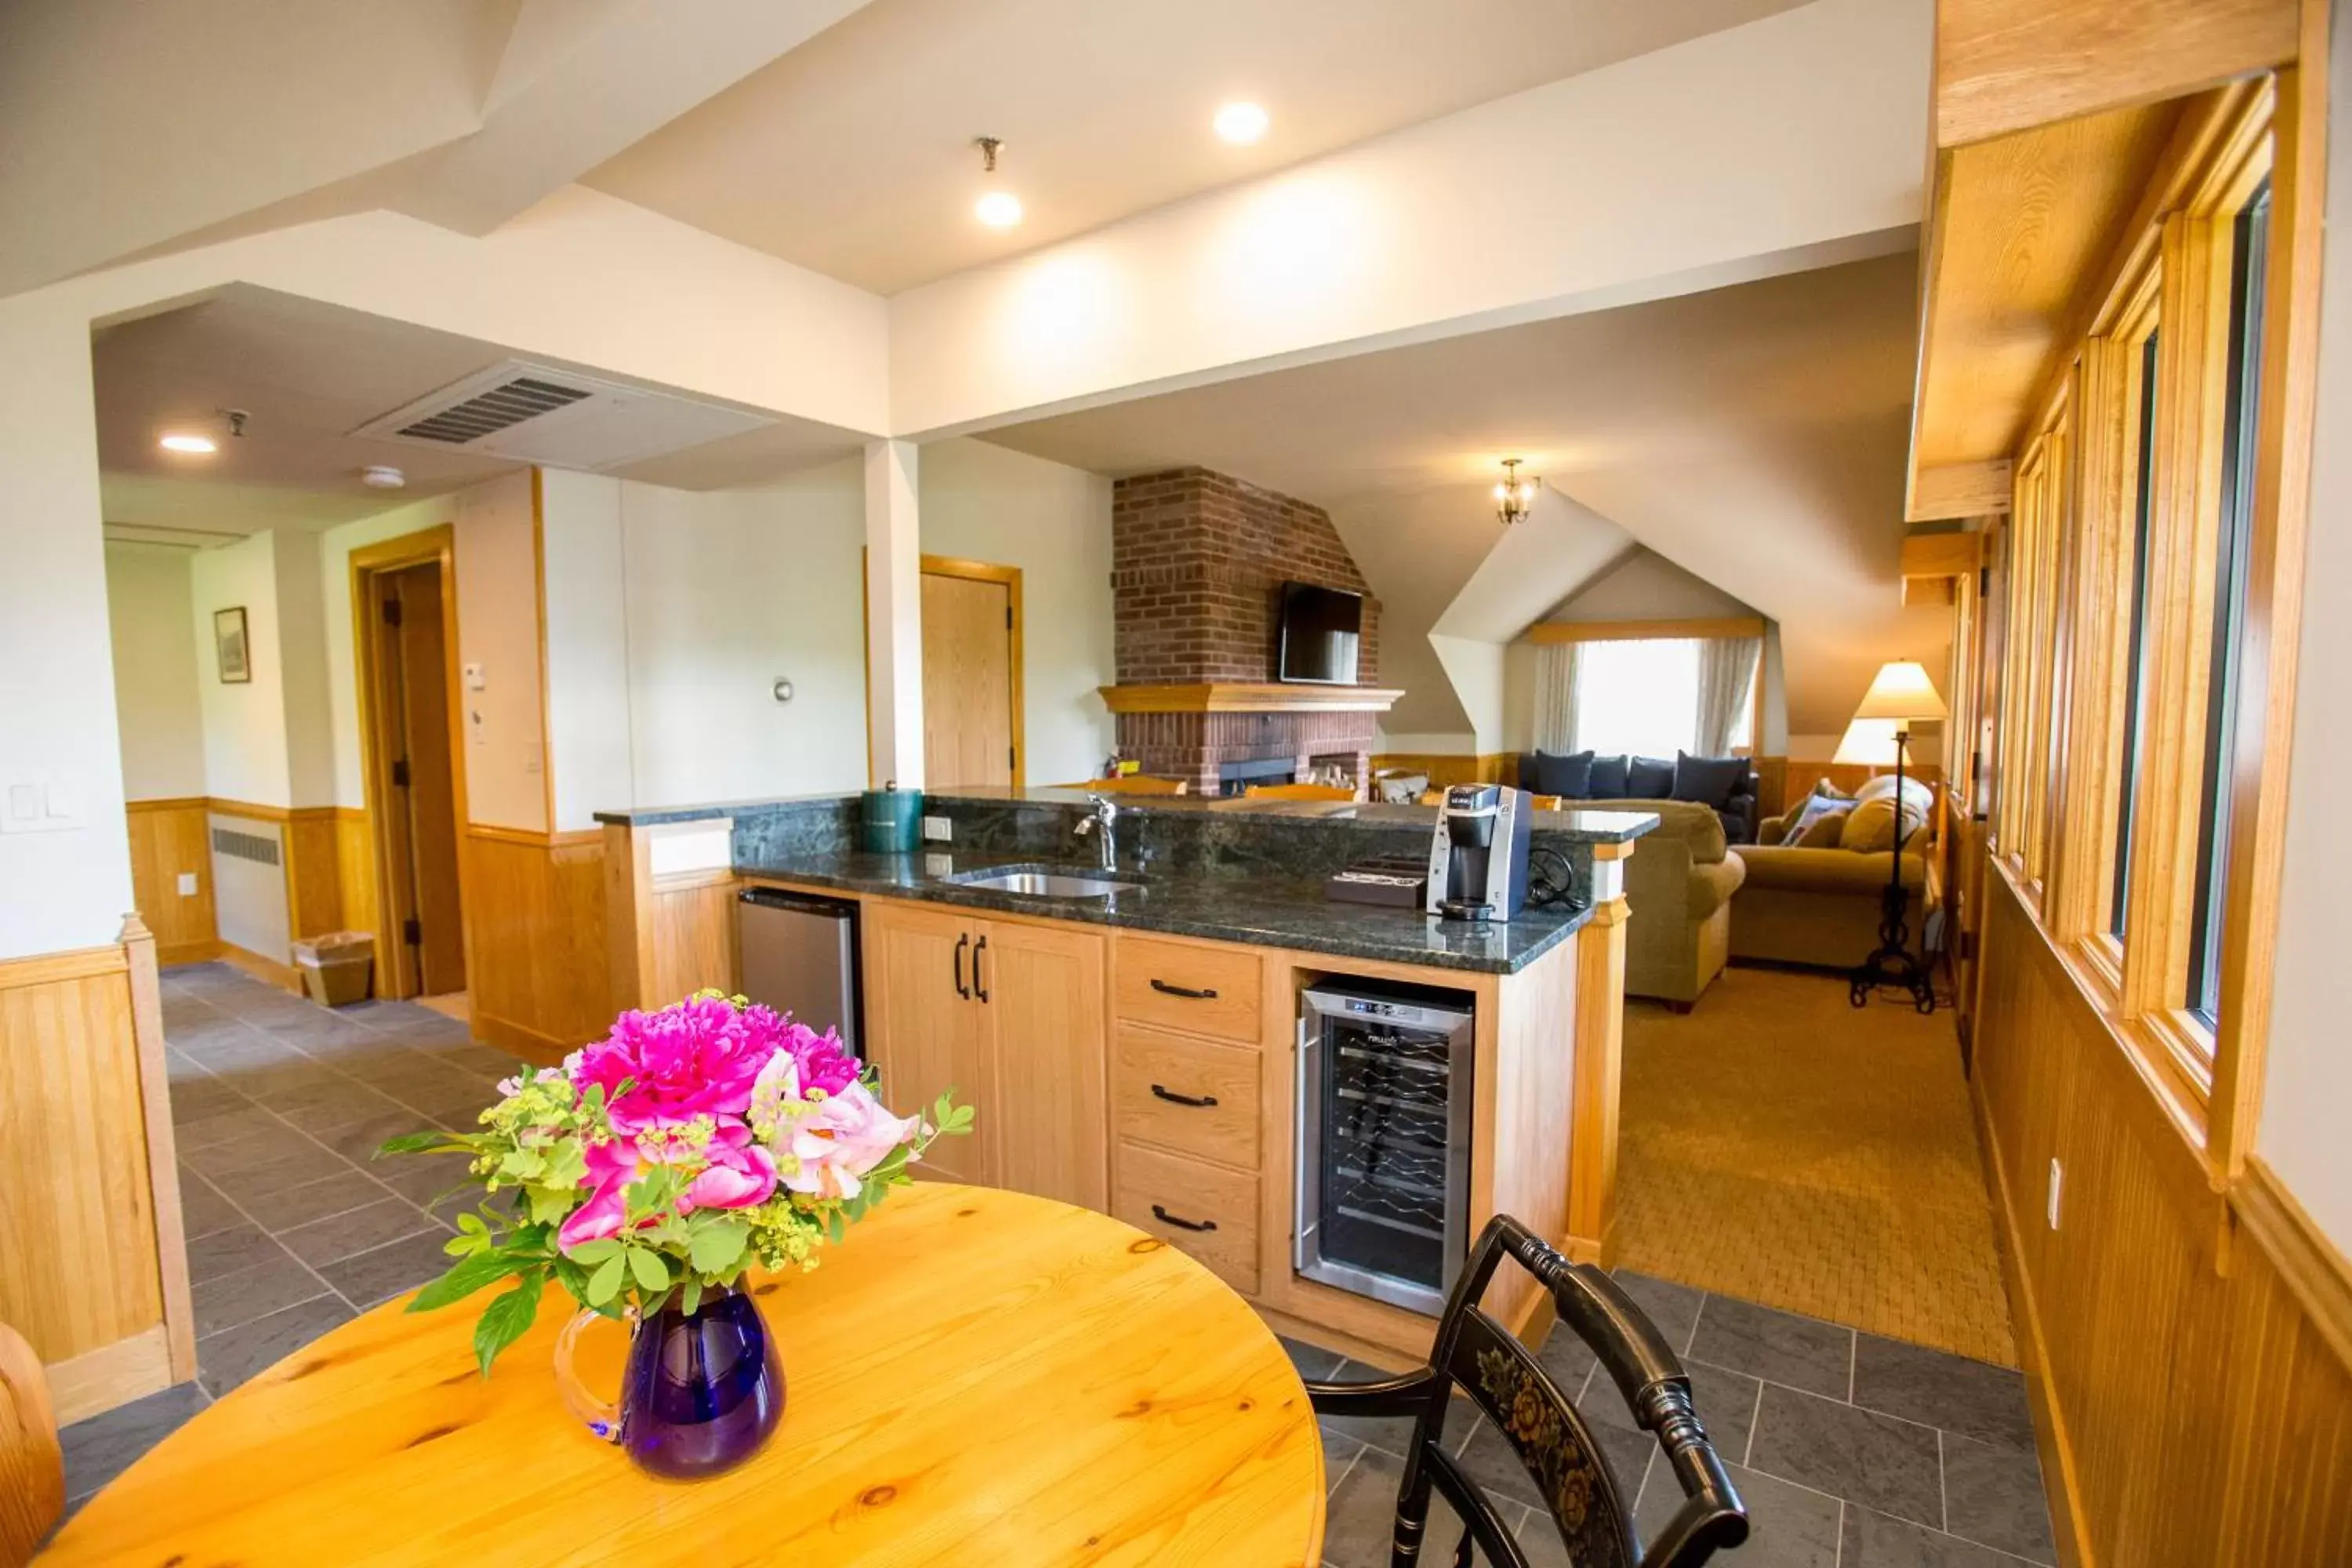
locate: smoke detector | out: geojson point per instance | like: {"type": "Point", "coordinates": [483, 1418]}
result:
{"type": "Point", "coordinates": [379, 477]}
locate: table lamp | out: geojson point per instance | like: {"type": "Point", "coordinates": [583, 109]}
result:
{"type": "Point", "coordinates": [1901, 696]}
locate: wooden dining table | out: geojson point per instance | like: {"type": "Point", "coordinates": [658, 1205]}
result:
{"type": "Point", "coordinates": [973, 1377]}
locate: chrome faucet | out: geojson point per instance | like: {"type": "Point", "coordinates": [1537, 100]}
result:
{"type": "Point", "coordinates": [1103, 822]}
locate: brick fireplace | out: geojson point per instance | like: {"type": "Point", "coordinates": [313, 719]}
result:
{"type": "Point", "coordinates": [1198, 560]}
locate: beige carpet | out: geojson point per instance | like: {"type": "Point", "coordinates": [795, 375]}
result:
{"type": "Point", "coordinates": [1782, 1146]}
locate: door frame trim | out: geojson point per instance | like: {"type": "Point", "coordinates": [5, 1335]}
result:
{"type": "Point", "coordinates": [438, 545]}
{"type": "Point", "coordinates": [984, 572]}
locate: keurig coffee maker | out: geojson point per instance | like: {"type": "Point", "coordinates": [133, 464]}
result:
{"type": "Point", "coordinates": [1479, 856]}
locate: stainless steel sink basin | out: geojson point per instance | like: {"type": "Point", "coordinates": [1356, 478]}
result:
{"type": "Point", "coordinates": [1047, 884]}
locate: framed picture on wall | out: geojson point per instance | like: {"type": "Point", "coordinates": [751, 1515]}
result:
{"type": "Point", "coordinates": [228, 645]}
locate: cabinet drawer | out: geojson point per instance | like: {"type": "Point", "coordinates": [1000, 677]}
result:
{"type": "Point", "coordinates": [1156, 1080]}
{"type": "Point", "coordinates": [1154, 1191]}
{"type": "Point", "coordinates": [1176, 986]}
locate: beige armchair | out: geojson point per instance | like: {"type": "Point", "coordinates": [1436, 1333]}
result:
{"type": "Point", "coordinates": [1679, 883]}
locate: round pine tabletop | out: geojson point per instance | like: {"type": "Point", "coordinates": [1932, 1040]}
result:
{"type": "Point", "coordinates": [973, 1377]}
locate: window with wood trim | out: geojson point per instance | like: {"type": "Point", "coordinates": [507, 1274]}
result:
{"type": "Point", "coordinates": [2132, 542]}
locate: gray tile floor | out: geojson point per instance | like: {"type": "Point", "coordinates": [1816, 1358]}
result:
{"type": "Point", "coordinates": [276, 1106]}
{"type": "Point", "coordinates": [1852, 1451]}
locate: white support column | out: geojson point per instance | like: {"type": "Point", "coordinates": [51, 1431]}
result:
{"type": "Point", "coordinates": [894, 616]}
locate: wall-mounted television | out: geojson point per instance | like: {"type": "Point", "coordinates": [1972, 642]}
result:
{"type": "Point", "coordinates": [1320, 629]}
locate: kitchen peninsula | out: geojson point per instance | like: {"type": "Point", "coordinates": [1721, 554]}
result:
{"type": "Point", "coordinates": [1141, 1050]}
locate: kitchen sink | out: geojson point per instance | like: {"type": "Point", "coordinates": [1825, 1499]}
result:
{"type": "Point", "coordinates": [1045, 884]}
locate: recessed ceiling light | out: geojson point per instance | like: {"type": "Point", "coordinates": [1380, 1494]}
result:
{"type": "Point", "coordinates": [1242, 123]}
{"type": "Point", "coordinates": [176, 442]}
{"type": "Point", "coordinates": [998, 210]}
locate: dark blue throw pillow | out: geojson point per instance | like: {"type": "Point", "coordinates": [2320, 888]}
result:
{"type": "Point", "coordinates": [1569, 777]}
{"type": "Point", "coordinates": [1607, 779]}
{"type": "Point", "coordinates": [1649, 778]}
{"type": "Point", "coordinates": [1710, 781]}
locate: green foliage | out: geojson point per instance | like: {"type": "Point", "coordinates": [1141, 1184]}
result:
{"type": "Point", "coordinates": [507, 1319]}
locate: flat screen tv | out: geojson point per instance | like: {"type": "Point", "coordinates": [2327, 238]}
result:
{"type": "Point", "coordinates": [1320, 627]}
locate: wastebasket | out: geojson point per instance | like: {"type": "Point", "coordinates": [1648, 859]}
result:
{"type": "Point", "coordinates": [335, 967]}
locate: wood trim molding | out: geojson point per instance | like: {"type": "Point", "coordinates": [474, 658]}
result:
{"type": "Point", "coordinates": [48, 968]}
{"type": "Point", "coordinates": [2319, 1276]}
{"type": "Point", "coordinates": [163, 1155]}
{"type": "Point", "coordinates": [532, 837]}
{"type": "Point", "coordinates": [984, 572]}
{"type": "Point", "coordinates": [1249, 697]}
{"type": "Point", "coordinates": [1641, 631]}
{"type": "Point", "coordinates": [97, 1381]}
{"type": "Point", "coordinates": [266, 970]}
{"type": "Point", "coordinates": [219, 806]}
{"type": "Point", "coordinates": [1951, 490]}
{"type": "Point", "coordinates": [175, 803]}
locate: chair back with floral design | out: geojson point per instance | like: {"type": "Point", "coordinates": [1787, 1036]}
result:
{"type": "Point", "coordinates": [1477, 1355]}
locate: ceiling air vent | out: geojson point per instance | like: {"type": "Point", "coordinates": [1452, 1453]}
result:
{"type": "Point", "coordinates": [529, 413]}
{"type": "Point", "coordinates": [487, 413]}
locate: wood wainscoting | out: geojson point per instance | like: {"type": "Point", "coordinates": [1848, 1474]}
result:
{"type": "Point", "coordinates": [535, 920]}
{"type": "Point", "coordinates": [169, 840]}
{"type": "Point", "coordinates": [93, 1261]}
{"type": "Point", "coordinates": [670, 927]}
{"type": "Point", "coordinates": [2187, 1351]}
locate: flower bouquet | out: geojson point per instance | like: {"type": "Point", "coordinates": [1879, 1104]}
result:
{"type": "Point", "coordinates": [645, 1175]}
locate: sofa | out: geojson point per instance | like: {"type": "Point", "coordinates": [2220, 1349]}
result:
{"type": "Point", "coordinates": [1816, 901]}
{"type": "Point", "coordinates": [1626, 782]}
{"type": "Point", "coordinates": [1679, 883]}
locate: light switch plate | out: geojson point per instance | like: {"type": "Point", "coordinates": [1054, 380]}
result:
{"type": "Point", "coordinates": [475, 680]}
{"type": "Point", "coordinates": [938, 829]}
{"type": "Point", "coordinates": [2057, 1181]}
{"type": "Point", "coordinates": [187, 884]}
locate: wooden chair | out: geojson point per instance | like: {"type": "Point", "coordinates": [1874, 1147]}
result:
{"type": "Point", "coordinates": [1298, 792]}
{"type": "Point", "coordinates": [1132, 783]}
{"type": "Point", "coordinates": [1502, 1378]}
{"type": "Point", "coordinates": [32, 1465]}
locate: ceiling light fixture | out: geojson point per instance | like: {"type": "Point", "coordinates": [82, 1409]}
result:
{"type": "Point", "coordinates": [380, 476]}
{"type": "Point", "coordinates": [1514, 495]}
{"type": "Point", "coordinates": [179, 441]}
{"type": "Point", "coordinates": [1242, 123]}
{"type": "Point", "coordinates": [997, 208]}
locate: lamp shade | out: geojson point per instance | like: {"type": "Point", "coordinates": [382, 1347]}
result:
{"type": "Point", "coordinates": [1868, 741]}
{"type": "Point", "coordinates": [1902, 692]}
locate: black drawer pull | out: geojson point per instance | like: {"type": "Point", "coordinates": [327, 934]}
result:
{"type": "Point", "coordinates": [961, 989]}
{"type": "Point", "coordinates": [1162, 1215]}
{"type": "Point", "coordinates": [1167, 990]}
{"type": "Point", "coordinates": [1202, 1102]}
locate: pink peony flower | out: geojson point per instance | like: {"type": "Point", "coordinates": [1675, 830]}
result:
{"type": "Point", "coordinates": [699, 1057]}
{"type": "Point", "coordinates": [839, 1139]}
{"type": "Point", "coordinates": [611, 1168]}
{"type": "Point", "coordinates": [824, 1062]}
{"type": "Point", "coordinates": [741, 1173]}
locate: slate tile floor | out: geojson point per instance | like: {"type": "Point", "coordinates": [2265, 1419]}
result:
{"type": "Point", "coordinates": [1852, 1451]}
{"type": "Point", "coordinates": [276, 1106]}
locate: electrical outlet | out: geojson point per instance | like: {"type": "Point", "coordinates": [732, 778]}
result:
{"type": "Point", "coordinates": [2057, 1181]}
{"type": "Point", "coordinates": [187, 884]}
{"type": "Point", "coordinates": [938, 865]}
{"type": "Point", "coordinates": [938, 829]}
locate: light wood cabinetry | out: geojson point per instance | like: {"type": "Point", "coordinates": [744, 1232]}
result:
{"type": "Point", "coordinates": [1191, 986]}
{"type": "Point", "coordinates": [1009, 1016]}
{"type": "Point", "coordinates": [1208, 1211]}
{"type": "Point", "coordinates": [1189, 1096]}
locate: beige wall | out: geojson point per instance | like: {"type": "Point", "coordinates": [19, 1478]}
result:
{"type": "Point", "coordinates": [244, 721]}
{"type": "Point", "coordinates": [498, 630]}
{"type": "Point", "coordinates": [150, 614]}
{"type": "Point", "coordinates": [982, 503]}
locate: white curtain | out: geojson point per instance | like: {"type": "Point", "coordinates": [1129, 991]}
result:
{"type": "Point", "coordinates": [1726, 676]}
{"type": "Point", "coordinates": [1556, 669]}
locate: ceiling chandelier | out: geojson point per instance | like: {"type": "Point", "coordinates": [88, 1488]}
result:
{"type": "Point", "coordinates": [1514, 495]}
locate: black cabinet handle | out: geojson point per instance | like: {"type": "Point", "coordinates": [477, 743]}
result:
{"type": "Point", "coordinates": [977, 985]}
{"type": "Point", "coordinates": [1162, 1215]}
{"type": "Point", "coordinates": [961, 989]}
{"type": "Point", "coordinates": [1167, 990]}
{"type": "Point", "coordinates": [1174, 1099]}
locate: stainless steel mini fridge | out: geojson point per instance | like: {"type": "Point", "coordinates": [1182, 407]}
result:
{"type": "Point", "coordinates": [799, 955]}
{"type": "Point", "coordinates": [1384, 1108]}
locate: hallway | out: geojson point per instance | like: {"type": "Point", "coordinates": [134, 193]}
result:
{"type": "Point", "coordinates": [1782, 1146]}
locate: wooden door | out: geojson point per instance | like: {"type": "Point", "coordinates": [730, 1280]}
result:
{"type": "Point", "coordinates": [413, 710]}
{"type": "Point", "coordinates": [968, 674]}
{"type": "Point", "coordinates": [924, 1034]}
{"type": "Point", "coordinates": [1046, 1003]}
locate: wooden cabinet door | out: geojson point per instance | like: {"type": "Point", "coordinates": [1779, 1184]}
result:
{"type": "Point", "coordinates": [1045, 1008]}
{"type": "Point", "coordinates": [925, 1038]}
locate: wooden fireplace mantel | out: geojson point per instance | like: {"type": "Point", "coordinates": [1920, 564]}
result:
{"type": "Point", "coordinates": [1270, 696]}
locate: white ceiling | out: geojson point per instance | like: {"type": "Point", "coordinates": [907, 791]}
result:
{"type": "Point", "coordinates": [1754, 436]}
{"type": "Point", "coordinates": [851, 154]}
{"type": "Point", "coordinates": [308, 373]}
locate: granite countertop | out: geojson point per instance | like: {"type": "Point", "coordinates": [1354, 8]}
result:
{"type": "Point", "coordinates": [1291, 914]}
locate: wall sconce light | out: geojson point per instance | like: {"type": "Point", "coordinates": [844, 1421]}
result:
{"type": "Point", "coordinates": [1514, 495]}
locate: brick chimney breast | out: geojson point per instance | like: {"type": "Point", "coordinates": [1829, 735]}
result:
{"type": "Point", "coordinates": [1198, 560]}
